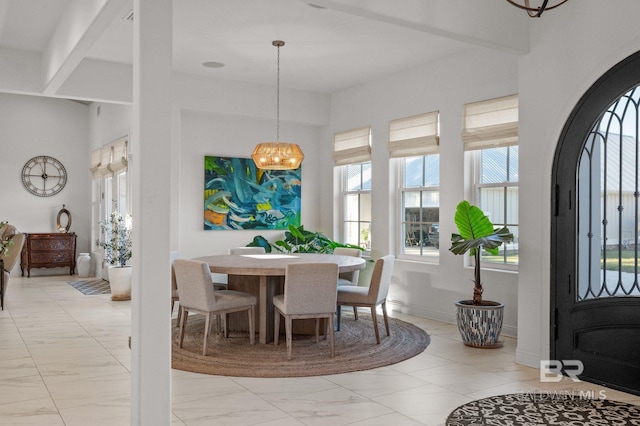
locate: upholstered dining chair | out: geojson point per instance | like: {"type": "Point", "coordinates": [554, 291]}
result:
{"type": "Point", "coordinates": [175, 295]}
{"type": "Point", "coordinates": [372, 296]}
{"type": "Point", "coordinates": [247, 250]}
{"type": "Point", "coordinates": [197, 295]}
{"type": "Point", "coordinates": [309, 292]}
{"type": "Point", "coordinates": [10, 260]}
{"type": "Point", "coordinates": [349, 278]}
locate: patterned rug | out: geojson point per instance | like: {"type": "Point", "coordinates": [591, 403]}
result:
{"type": "Point", "coordinates": [91, 287]}
{"type": "Point", "coordinates": [544, 408]}
{"type": "Point", "coordinates": [355, 350]}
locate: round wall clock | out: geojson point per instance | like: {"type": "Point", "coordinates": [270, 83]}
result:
{"type": "Point", "coordinates": [44, 176]}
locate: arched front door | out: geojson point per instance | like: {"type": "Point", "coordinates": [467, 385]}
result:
{"type": "Point", "coordinates": [595, 292]}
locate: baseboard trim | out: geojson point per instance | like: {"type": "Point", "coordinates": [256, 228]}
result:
{"type": "Point", "coordinates": [529, 359]}
{"type": "Point", "coordinates": [447, 317]}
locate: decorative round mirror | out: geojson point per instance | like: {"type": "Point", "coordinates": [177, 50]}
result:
{"type": "Point", "coordinates": [65, 224]}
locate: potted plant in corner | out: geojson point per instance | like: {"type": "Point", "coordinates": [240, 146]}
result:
{"type": "Point", "coordinates": [479, 321]}
{"type": "Point", "coordinates": [117, 252]}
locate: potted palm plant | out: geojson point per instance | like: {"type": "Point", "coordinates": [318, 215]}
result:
{"type": "Point", "coordinates": [479, 320]}
{"type": "Point", "coordinates": [117, 244]}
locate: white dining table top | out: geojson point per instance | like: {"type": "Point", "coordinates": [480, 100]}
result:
{"type": "Point", "coordinates": [275, 264]}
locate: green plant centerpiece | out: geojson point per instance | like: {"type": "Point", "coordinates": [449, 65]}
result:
{"type": "Point", "coordinates": [117, 245]}
{"type": "Point", "coordinates": [479, 321]}
{"type": "Point", "coordinates": [299, 240]}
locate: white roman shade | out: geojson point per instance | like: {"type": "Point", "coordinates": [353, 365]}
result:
{"type": "Point", "coordinates": [109, 159]}
{"type": "Point", "coordinates": [119, 156]}
{"type": "Point", "coordinates": [100, 159]}
{"type": "Point", "coordinates": [416, 135]}
{"type": "Point", "coordinates": [491, 123]}
{"type": "Point", "coordinates": [352, 146]}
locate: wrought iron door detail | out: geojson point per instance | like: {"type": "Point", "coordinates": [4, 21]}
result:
{"type": "Point", "coordinates": [608, 196]}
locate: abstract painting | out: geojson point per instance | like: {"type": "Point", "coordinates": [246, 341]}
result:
{"type": "Point", "coordinates": [238, 195]}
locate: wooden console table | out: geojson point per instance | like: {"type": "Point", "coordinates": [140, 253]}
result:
{"type": "Point", "coordinates": [52, 250]}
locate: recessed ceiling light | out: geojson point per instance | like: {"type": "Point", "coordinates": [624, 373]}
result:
{"type": "Point", "coordinates": [213, 64]}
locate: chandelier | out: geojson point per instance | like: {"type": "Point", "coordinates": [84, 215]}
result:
{"type": "Point", "coordinates": [536, 11]}
{"type": "Point", "coordinates": [277, 155]}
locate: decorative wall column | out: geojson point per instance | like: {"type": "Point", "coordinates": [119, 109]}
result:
{"type": "Point", "coordinates": [151, 171]}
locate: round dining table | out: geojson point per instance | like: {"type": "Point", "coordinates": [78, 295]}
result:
{"type": "Point", "coordinates": [263, 275]}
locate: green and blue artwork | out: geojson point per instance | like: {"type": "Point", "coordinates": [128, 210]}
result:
{"type": "Point", "coordinates": [238, 195]}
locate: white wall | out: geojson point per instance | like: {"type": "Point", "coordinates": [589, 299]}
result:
{"type": "Point", "coordinates": [421, 288]}
{"type": "Point", "coordinates": [571, 47]}
{"type": "Point", "coordinates": [108, 122]}
{"type": "Point", "coordinates": [32, 126]}
{"type": "Point", "coordinates": [206, 133]}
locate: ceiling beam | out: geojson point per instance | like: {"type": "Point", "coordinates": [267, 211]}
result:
{"type": "Point", "coordinates": [81, 26]}
{"type": "Point", "coordinates": [493, 24]}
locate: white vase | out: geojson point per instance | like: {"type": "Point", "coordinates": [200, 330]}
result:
{"type": "Point", "coordinates": [83, 265]}
{"type": "Point", "coordinates": [120, 282]}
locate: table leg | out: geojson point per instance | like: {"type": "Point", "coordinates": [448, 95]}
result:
{"type": "Point", "coordinates": [262, 333]}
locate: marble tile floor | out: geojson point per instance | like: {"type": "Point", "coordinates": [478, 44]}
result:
{"type": "Point", "coordinates": [64, 360]}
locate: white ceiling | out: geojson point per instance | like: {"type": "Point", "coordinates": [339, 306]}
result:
{"type": "Point", "coordinates": [342, 44]}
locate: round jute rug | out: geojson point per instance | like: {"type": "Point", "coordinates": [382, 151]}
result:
{"type": "Point", "coordinates": [355, 350]}
{"type": "Point", "coordinates": [544, 408]}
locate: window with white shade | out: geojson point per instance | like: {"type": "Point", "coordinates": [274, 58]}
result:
{"type": "Point", "coordinates": [109, 167]}
{"type": "Point", "coordinates": [490, 137]}
{"type": "Point", "coordinates": [414, 141]}
{"type": "Point", "coordinates": [352, 153]}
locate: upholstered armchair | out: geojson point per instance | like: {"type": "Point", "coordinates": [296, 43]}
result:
{"type": "Point", "coordinates": [9, 233]}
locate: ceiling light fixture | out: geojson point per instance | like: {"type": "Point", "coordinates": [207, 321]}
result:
{"type": "Point", "coordinates": [534, 11]}
{"type": "Point", "coordinates": [277, 155]}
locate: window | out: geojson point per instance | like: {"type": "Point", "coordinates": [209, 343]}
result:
{"type": "Point", "coordinates": [414, 141]}
{"type": "Point", "coordinates": [491, 136]}
{"type": "Point", "coordinates": [420, 195]}
{"type": "Point", "coordinates": [352, 151]}
{"type": "Point", "coordinates": [497, 192]}
{"type": "Point", "coordinates": [109, 167]}
{"type": "Point", "coordinates": [357, 204]}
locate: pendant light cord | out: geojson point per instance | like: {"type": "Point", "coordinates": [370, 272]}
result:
{"type": "Point", "coordinates": [278, 96]}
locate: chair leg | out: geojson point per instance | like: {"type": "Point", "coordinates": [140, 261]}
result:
{"type": "Point", "coordinates": [252, 334]}
{"type": "Point", "coordinates": [179, 316]}
{"type": "Point", "coordinates": [224, 325]}
{"type": "Point", "coordinates": [183, 323]}
{"type": "Point", "coordinates": [374, 317]}
{"type": "Point", "coordinates": [326, 326]}
{"type": "Point", "coordinates": [287, 326]}
{"type": "Point", "coordinates": [207, 331]}
{"type": "Point", "coordinates": [219, 324]}
{"type": "Point", "coordinates": [276, 327]}
{"type": "Point", "coordinates": [338, 316]}
{"type": "Point", "coordinates": [355, 313]}
{"type": "Point", "coordinates": [386, 319]}
{"type": "Point", "coordinates": [331, 336]}
{"type": "Point", "coordinates": [317, 330]}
